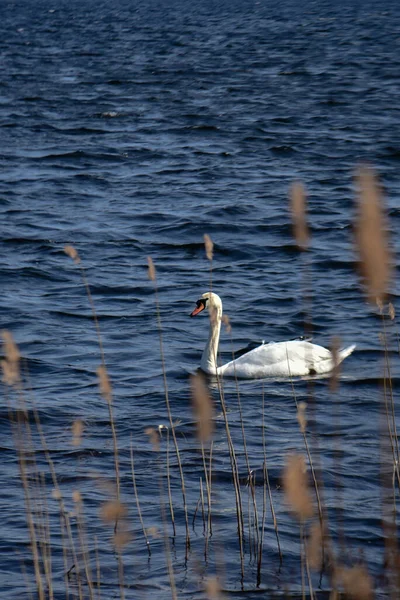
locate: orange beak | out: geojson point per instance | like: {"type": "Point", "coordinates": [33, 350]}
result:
{"type": "Point", "coordinates": [197, 310]}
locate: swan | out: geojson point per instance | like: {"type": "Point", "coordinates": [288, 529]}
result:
{"type": "Point", "coordinates": [276, 359]}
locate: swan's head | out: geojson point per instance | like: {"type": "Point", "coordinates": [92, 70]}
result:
{"type": "Point", "coordinates": [208, 301]}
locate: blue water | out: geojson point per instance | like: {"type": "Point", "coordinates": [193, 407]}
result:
{"type": "Point", "coordinates": [130, 129]}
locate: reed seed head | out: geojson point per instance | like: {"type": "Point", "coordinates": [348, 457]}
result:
{"type": "Point", "coordinates": [76, 497]}
{"type": "Point", "coordinates": [72, 253]}
{"type": "Point", "coordinates": [209, 246]}
{"type": "Point", "coordinates": [392, 312]}
{"type": "Point", "coordinates": [154, 437]}
{"type": "Point", "coordinates": [154, 532]}
{"type": "Point", "coordinates": [334, 378]}
{"type": "Point", "coordinates": [104, 382]}
{"type": "Point", "coordinates": [202, 407]}
{"type": "Point", "coordinates": [121, 539]}
{"type": "Point", "coordinates": [298, 205]}
{"type": "Point", "coordinates": [371, 237]}
{"type": "Point", "coordinates": [357, 582]}
{"type": "Point", "coordinates": [296, 487]}
{"type": "Point", "coordinates": [151, 269]}
{"type": "Point", "coordinates": [11, 365]}
{"type": "Point", "coordinates": [56, 494]}
{"type": "Point", "coordinates": [213, 589]}
{"type": "Point", "coordinates": [227, 323]}
{"type": "Point", "coordinates": [301, 416]}
{"type": "Point", "coordinates": [77, 431]}
{"type": "Point", "coordinates": [314, 547]}
{"type": "Point", "coordinates": [112, 511]}
{"type": "Point", "coordinates": [213, 313]}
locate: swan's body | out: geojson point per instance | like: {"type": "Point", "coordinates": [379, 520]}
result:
{"type": "Point", "coordinates": [281, 359]}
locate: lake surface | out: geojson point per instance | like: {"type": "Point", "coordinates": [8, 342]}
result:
{"type": "Point", "coordinates": [131, 129]}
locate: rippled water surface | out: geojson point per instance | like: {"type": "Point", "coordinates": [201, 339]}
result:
{"type": "Point", "coordinates": [130, 129]}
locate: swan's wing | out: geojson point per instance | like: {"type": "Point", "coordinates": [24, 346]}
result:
{"type": "Point", "coordinates": [294, 350]}
{"type": "Point", "coordinates": [282, 358]}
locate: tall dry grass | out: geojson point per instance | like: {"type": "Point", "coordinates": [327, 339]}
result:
{"type": "Point", "coordinates": [84, 575]}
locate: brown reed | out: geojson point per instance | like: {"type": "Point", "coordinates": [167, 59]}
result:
{"type": "Point", "coordinates": [78, 501]}
{"type": "Point", "coordinates": [371, 236]}
{"type": "Point", "coordinates": [171, 506]}
{"type": "Point", "coordinates": [298, 205]}
{"type": "Point", "coordinates": [152, 277]}
{"type": "Point", "coordinates": [23, 442]}
{"type": "Point", "coordinates": [266, 488]}
{"type": "Point", "coordinates": [315, 546]}
{"type": "Point", "coordinates": [357, 583]}
{"type": "Point", "coordinates": [296, 487]}
{"type": "Point", "coordinates": [105, 385]}
{"type": "Point", "coordinates": [250, 479]}
{"type": "Point", "coordinates": [11, 364]}
{"type": "Point", "coordinates": [155, 441]}
{"type": "Point", "coordinates": [209, 247]}
{"type": "Point", "coordinates": [203, 409]}
{"type": "Point", "coordinates": [232, 453]}
{"type": "Point", "coordinates": [137, 500]}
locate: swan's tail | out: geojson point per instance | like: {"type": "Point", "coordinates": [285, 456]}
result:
{"type": "Point", "coordinates": [346, 352]}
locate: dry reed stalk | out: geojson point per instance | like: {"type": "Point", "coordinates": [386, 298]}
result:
{"type": "Point", "coordinates": [337, 452]}
{"type": "Point", "coordinates": [152, 277]}
{"type": "Point", "coordinates": [310, 461]}
{"type": "Point", "coordinates": [266, 487]}
{"type": "Point", "coordinates": [98, 568]}
{"type": "Point", "coordinates": [305, 565]}
{"type": "Point", "coordinates": [227, 324]}
{"type": "Point", "coordinates": [46, 550]}
{"type": "Point", "coordinates": [371, 236]}
{"type": "Point", "coordinates": [389, 403]}
{"type": "Point", "coordinates": [23, 442]}
{"type": "Point", "coordinates": [26, 579]}
{"type": "Point", "coordinates": [298, 205]}
{"type": "Point", "coordinates": [64, 517]}
{"type": "Point", "coordinates": [232, 455]}
{"type": "Point", "coordinates": [155, 441]}
{"type": "Point", "coordinates": [114, 511]}
{"type": "Point", "coordinates": [120, 540]}
{"type": "Point", "coordinates": [195, 514]}
{"type": "Point", "coordinates": [170, 503]}
{"type": "Point", "coordinates": [203, 410]}
{"type": "Point", "coordinates": [209, 525]}
{"type": "Point", "coordinates": [202, 510]}
{"type": "Point", "coordinates": [168, 471]}
{"type": "Point", "coordinates": [137, 500]}
{"type": "Point", "coordinates": [105, 386]}
{"type": "Point", "coordinates": [236, 481]}
{"type": "Point", "coordinates": [389, 509]}
{"type": "Point", "coordinates": [77, 498]}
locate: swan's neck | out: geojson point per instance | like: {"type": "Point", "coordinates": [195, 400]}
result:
{"type": "Point", "coordinates": [209, 358]}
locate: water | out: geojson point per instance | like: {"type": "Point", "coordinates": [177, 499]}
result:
{"type": "Point", "coordinates": [129, 130]}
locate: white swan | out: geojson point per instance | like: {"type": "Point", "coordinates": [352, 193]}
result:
{"type": "Point", "coordinates": [280, 359]}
